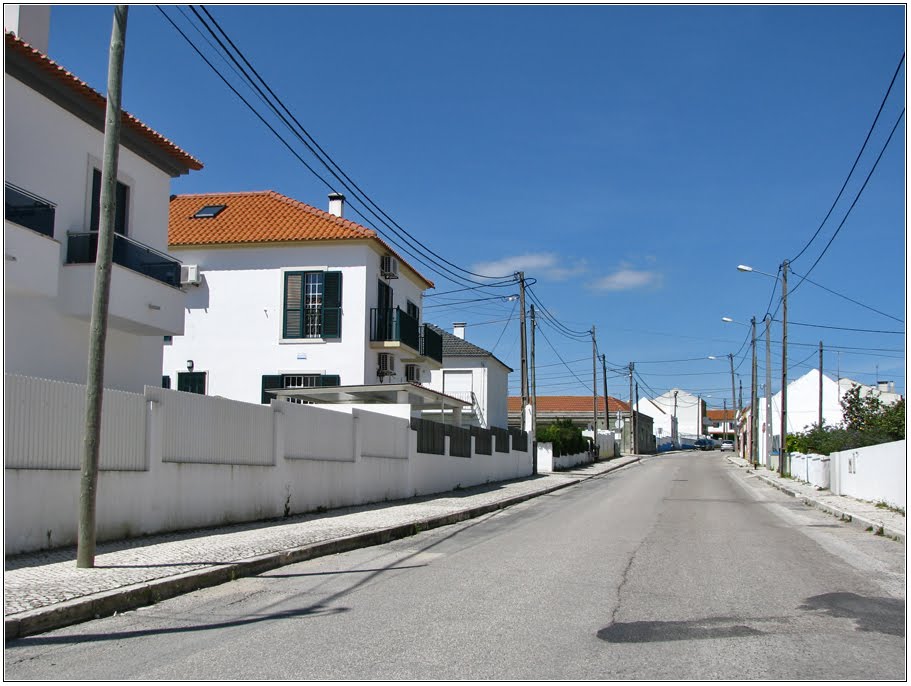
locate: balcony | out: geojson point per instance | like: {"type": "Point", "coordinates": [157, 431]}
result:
{"type": "Point", "coordinates": [145, 296]}
{"type": "Point", "coordinates": [392, 327]}
{"type": "Point", "coordinates": [431, 344]}
{"type": "Point", "coordinates": [30, 211]}
{"type": "Point", "coordinates": [81, 248]}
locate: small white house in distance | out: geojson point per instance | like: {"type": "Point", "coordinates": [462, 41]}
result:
{"type": "Point", "coordinates": [689, 410]}
{"type": "Point", "coordinates": [285, 296]}
{"type": "Point", "coordinates": [473, 375]}
{"type": "Point", "coordinates": [54, 139]}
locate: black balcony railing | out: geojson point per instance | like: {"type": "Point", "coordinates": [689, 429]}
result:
{"type": "Point", "coordinates": [29, 210]}
{"type": "Point", "coordinates": [392, 324]}
{"type": "Point", "coordinates": [81, 248]}
{"type": "Point", "coordinates": [431, 344]}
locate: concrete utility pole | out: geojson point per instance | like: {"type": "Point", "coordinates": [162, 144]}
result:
{"type": "Point", "coordinates": [521, 277]}
{"type": "Point", "coordinates": [595, 395]}
{"type": "Point", "coordinates": [675, 432]}
{"type": "Point", "coordinates": [754, 399]}
{"type": "Point", "coordinates": [820, 384]}
{"type": "Point", "coordinates": [768, 391]}
{"type": "Point", "coordinates": [604, 380]}
{"type": "Point", "coordinates": [783, 449]}
{"type": "Point", "coordinates": [636, 423]}
{"type": "Point", "coordinates": [88, 486]}
{"type": "Point", "coordinates": [734, 404]}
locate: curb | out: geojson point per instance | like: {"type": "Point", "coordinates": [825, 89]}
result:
{"type": "Point", "coordinates": [858, 521]}
{"type": "Point", "coordinates": [127, 598]}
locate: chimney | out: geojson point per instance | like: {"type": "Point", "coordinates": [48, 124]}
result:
{"type": "Point", "coordinates": [337, 204]}
{"type": "Point", "coordinates": [458, 330]}
{"type": "Point", "coordinates": [31, 23]}
{"type": "Point", "coordinates": [885, 386]}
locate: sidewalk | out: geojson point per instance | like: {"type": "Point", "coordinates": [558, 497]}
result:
{"type": "Point", "coordinates": [857, 512]}
{"type": "Point", "coordinates": [45, 590]}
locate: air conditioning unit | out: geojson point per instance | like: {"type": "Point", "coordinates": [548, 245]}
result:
{"type": "Point", "coordinates": [413, 373]}
{"type": "Point", "coordinates": [389, 267]}
{"type": "Point", "coordinates": [189, 275]}
{"type": "Point", "coordinates": [385, 365]}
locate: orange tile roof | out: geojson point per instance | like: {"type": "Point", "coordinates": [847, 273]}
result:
{"type": "Point", "coordinates": [94, 98]}
{"type": "Point", "coordinates": [720, 415]}
{"type": "Point", "coordinates": [261, 217]}
{"type": "Point", "coordinates": [568, 403]}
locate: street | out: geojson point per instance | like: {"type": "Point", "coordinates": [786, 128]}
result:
{"type": "Point", "coordinates": [678, 567]}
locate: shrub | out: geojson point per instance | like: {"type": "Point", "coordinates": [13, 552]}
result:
{"type": "Point", "coordinates": [566, 438]}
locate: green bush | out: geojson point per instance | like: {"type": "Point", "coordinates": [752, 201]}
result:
{"type": "Point", "coordinates": [867, 422]}
{"type": "Point", "coordinates": [566, 438]}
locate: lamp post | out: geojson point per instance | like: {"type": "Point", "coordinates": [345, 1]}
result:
{"type": "Point", "coordinates": [782, 449]}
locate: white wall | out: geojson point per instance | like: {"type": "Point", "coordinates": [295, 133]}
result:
{"type": "Point", "coordinates": [490, 383]}
{"type": "Point", "coordinates": [51, 153]}
{"type": "Point", "coordinates": [688, 413]}
{"type": "Point", "coordinates": [233, 326]}
{"type": "Point", "coordinates": [293, 459]}
{"type": "Point", "coordinates": [876, 473]}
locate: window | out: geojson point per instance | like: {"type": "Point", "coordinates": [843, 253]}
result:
{"type": "Point", "coordinates": [413, 310]}
{"type": "Point", "coordinates": [165, 381]}
{"type": "Point", "coordinates": [121, 211]}
{"type": "Point", "coordinates": [312, 305]}
{"type": "Point", "coordinates": [275, 381]}
{"type": "Point", "coordinates": [209, 211]}
{"type": "Point", "coordinates": [191, 382]}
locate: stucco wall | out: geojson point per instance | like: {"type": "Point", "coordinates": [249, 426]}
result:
{"type": "Point", "coordinates": [876, 473]}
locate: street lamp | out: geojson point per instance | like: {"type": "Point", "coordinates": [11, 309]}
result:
{"type": "Point", "coordinates": [782, 451]}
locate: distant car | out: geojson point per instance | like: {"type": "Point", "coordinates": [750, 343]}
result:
{"type": "Point", "coordinates": [704, 444]}
{"type": "Point", "coordinates": [727, 445]}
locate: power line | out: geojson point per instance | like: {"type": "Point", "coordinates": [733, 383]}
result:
{"type": "Point", "coordinates": [856, 198]}
{"type": "Point", "coordinates": [841, 328]}
{"type": "Point", "coordinates": [541, 331]}
{"type": "Point", "coordinates": [840, 295]}
{"type": "Point", "coordinates": [856, 159]}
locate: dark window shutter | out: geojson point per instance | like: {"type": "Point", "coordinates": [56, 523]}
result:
{"type": "Point", "coordinates": [327, 380]}
{"type": "Point", "coordinates": [165, 381]}
{"type": "Point", "coordinates": [293, 302]}
{"type": "Point", "coordinates": [271, 382]}
{"type": "Point", "coordinates": [95, 219]}
{"type": "Point", "coordinates": [332, 305]}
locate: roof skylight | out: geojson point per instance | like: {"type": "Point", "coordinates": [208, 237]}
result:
{"type": "Point", "coordinates": [209, 211]}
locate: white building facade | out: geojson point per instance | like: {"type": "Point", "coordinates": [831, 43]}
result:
{"type": "Point", "coordinates": [285, 295]}
{"type": "Point", "coordinates": [475, 376]}
{"type": "Point", "coordinates": [678, 407]}
{"type": "Point", "coordinates": [54, 126]}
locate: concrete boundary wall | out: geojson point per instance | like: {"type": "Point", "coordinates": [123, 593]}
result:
{"type": "Point", "coordinates": [308, 458]}
{"type": "Point", "coordinates": [877, 473]}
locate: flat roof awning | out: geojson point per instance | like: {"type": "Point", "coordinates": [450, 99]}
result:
{"type": "Point", "coordinates": [419, 397]}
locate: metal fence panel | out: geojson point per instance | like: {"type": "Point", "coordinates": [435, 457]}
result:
{"type": "Point", "coordinates": [502, 439]}
{"type": "Point", "coordinates": [483, 440]}
{"type": "Point", "coordinates": [431, 436]}
{"type": "Point", "coordinates": [44, 423]}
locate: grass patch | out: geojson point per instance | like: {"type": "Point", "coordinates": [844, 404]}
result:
{"type": "Point", "coordinates": [882, 505]}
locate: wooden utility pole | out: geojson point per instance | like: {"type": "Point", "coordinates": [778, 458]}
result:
{"type": "Point", "coordinates": [820, 384]}
{"type": "Point", "coordinates": [604, 380]}
{"type": "Point", "coordinates": [632, 422]}
{"type": "Point", "coordinates": [734, 404]}
{"type": "Point", "coordinates": [534, 400]}
{"type": "Point", "coordinates": [783, 449]}
{"type": "Point", "coordinates": [754, 399]}
{"type": "Point", "coordinates": [768, 391]}
{"type": "Point", "coordinates": [595, 395]}
{"type": "Point", "coordinates": [636, 422]}
{"type": "Point", "coordinates": [88, 486]}
{"type": "Point", "coordinates": [521, 277]}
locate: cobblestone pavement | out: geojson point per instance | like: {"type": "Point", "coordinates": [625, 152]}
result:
{"type": "Point", "coordinates": [46, 579]}
{"type": "Point", "coordinates": [858, 512]}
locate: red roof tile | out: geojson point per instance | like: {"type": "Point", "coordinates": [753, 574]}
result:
{"type": "Point", "coordinates": [93, 97]}
{"type": "Point", "coordinates": [720, 415]}
{"type": "Point", "coordinates": [568, 403]}
{"type": "Point", "coordinates": [261, 217]}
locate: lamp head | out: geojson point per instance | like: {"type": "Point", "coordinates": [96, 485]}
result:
{"type": "Point", "coordinates": [744, 268]}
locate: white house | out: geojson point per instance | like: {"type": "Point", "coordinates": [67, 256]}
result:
{"type": "Point", "coordinates": [688, 410]}
{"type": "Point", "coordinates": [53, 130]}
{"type": "Point", "coordinates": [475, 375]}
{"type": "Point", "coordinates": [285, 296]}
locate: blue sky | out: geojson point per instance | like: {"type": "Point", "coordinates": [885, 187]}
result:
{"type": "Point", "coordinates": [627, 158]}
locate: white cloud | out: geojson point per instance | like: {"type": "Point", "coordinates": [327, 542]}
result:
{"type": "Point", "coordinates": [540, 265]}
{"type": "Point", "coordinates": [627, 279]}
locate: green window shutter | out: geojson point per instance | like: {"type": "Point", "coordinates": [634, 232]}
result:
{"type": "Point", "coordinates": [327, 380]}
{"type": "Point", "coordinates": [293, 305]}
{"type": "Point", "coordinates": [332, 305]}
{"type": "Point", "coordinates": [165, 381]}
{"type": "Point", "coordinates": [270, 381]}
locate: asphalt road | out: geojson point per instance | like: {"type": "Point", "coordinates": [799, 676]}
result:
{"type": "Point", "coordinates": [681, 567]}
